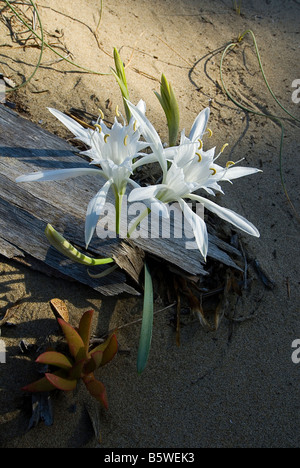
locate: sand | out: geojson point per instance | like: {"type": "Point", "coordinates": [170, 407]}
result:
{"type": "Point", "coordinates": [235, 387]}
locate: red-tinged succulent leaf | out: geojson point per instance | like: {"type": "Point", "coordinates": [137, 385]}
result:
{"type": "Point", "coordinates": [77, 370]}
{"type": "Point", "coordinates": [43, 384]}
{"type": "Point", "coordinates": [85, 327]}
{"type": "Point", "coordinates": [74, 340]}
{"type": "Point", "coordinates": [55, 359]}
{"type": "Point", "coordinates": [61, 383]}
{"type": "Point", "coordinates": [109, 348]}
{"type": "Point", "coordinates": [96, 389]}
{"type": "Point", "coordinates": [94, 362]}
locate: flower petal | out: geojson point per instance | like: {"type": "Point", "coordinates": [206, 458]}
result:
{"type": "Point", "coordinates": [150, 134]}
{"type": "Point", "coordinates": [147, 159]}
{"type": "Point", "coordinates": [155, 205]}
{"type": "Point", "coordinates": [94, 209]}
{"type": "Point", "coordinates": [144, 193]}
{"type": "Point", "coordinates": [199, 125]}
{"type": "Point", "coordinates": [239, 171]}
{"type": "Point", "coordinates": [228, 215]}
{"type": "Point", "coordinates": [74, 127]}
{"type": "Point", "coordinates": [58, 174]}
{"type": "Point", "coordinates": [198, 225]}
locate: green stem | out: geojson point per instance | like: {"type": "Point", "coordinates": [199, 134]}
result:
{"type": "Point", "coordinates": [118, 206]}
{"type": "Point", "coordinates": [263, 73]}
{"type": "Point", "coordinates": [138, 221]}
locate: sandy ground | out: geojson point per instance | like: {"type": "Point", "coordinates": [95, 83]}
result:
{"type": "Point", "coordinates": [237, 386]}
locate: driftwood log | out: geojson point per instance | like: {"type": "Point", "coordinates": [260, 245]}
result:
{"type": "Point", "coordinates": [26, 209]}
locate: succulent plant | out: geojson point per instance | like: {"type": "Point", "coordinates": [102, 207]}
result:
{"type": "Point", "coordinates": [81, 365]}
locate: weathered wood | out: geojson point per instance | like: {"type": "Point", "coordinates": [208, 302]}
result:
{"type": "Point", "coordinates": [26, 209]}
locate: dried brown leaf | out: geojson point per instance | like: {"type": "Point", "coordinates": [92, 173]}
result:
{"type": "Point", "coordinates": [59, 309]}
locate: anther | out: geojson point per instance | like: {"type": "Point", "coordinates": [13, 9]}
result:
{"type": "Point", "coordinates": [135, 126]}
{"type": "Point", "coordinates": [210, 133]}
{"type": "Point", "coordinates": [125, 140]}
{"type": "Point", "coordinates": [230, 163]}
{"type": "Point", "coordinates": [98, 127]}
{"type": "Point", "coordinates": [201, 144]}
{"type": "Point", "coordinates": [199, 157]}
{"type": "Point", "coordinates": [101, 114]}
{"type": "Point", "coordinates": [223, 147]}
{"type": "Point", "coordinates": [105, 137]}
{"type": "Point", "coordinates": [213, 170]}
{"type": "Point", "coordinates": [117, 111]}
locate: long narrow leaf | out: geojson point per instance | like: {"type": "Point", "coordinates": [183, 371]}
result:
{"type": "Point", "coordinates": [147, 323]}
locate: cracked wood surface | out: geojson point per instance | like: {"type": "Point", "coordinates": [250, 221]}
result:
{"type": "Point", "coordinates": [26, 209]}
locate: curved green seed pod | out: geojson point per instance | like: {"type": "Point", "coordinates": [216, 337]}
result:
{"type": "Point", "coordinates": [67, 249]}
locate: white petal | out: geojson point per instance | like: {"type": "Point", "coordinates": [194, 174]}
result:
{"type": "Point", "coordinates": [74, 127]}
{"type": "Point", "coordinates": [239, 171]}
{"type": "Point", "coordinates": [149, 158]}
{"type": "Point", "coordinates": [144, 193]}
{"type": "Point", "coordinates": [199, 125]}
{"type": "Point", "coordinates": [198, 225]}
{"type": "Point", "coordinates": [150, 134]}
{"type": "Point", "coordinates": [58, 174]}
{"type": "Point", "coordinates": [228, 215]}
{"type": "Point", "coordinates": [141, 105]}
{"type": "Point", "coordinates": [153, 203]}
{"type": "Point", "coordinates": [94, 210]}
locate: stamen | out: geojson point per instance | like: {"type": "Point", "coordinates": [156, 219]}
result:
{"type": "Point", "coordinates": [125, 140]}
{"type": "Point", "coordinates": [210, 133]}
{"type": "Point", "coordinates": [101, 114]}
{"type": "Point", "coordinates": [105, 137]}
{"type": "Point", "coordinates": [223, 147]}
{"type": "Point", "coordinates": [199, 157]}
{"type": "Point", "coordinates": [201, 144]}
{"type": "Point", "coordinates": [213, 170]}
{"type": "Point", "coordinates": [98, 127]}
{"type": "Point", "coordinates": [117, 111]}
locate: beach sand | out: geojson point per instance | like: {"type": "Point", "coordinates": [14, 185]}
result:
{"type": "Point", "coordinates": [233, 387]}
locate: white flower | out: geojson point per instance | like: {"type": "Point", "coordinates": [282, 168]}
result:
{"type": "Point", "coordinates": [191, 169]}
{"type": "Point", "coordinates": [114, 149]}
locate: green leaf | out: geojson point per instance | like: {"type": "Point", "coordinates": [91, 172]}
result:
{"type": "Point", "coordinates": [61, 383]}
{"type": "Point", "coordinates": [94, 362]}
{"type": "Point", "coordinates": [96, 389]}
{"type": "Point", "coordinates": [55, 359]}
{"type": "Point", "coordinates": [74, 340]}
{"type": "Point", "coordinates": [109, 349]}
{"type": "Point", "coordinates": [170, 106]}
{"type": "Point", "coordinates": [43, 384]}
{"type": "Point", "coordinates": [85, 326]}
{"type": "Point", "coordinates": [77, 370]}
{"type": "Point", "coordinates": [147, 323]}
